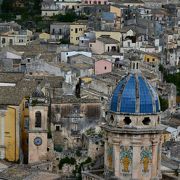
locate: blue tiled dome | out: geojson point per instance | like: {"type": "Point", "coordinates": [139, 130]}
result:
{"type": "Point", "coordinates": [134, 94]}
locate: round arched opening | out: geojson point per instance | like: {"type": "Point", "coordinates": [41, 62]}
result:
{"type": "Point", "coordinates": [146, 121]}
{"type": "Point", "coordinates": [127, 120]}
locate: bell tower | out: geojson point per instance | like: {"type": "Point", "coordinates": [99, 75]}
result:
{"type": "Point", "coordinates": [37, 135]}
{"type": "Point", "coordinates": [133, 130]}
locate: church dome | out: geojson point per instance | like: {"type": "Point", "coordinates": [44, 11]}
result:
{"type": "Point", "coordinates": [134, 95]}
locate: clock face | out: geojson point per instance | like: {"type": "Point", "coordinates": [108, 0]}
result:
{"type": "Point", "coordinates": [37, 141]}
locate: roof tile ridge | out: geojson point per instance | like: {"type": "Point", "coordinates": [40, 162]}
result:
{"type": "Point", "coordinates": [122, 90]}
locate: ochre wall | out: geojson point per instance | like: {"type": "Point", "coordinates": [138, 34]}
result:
{"type": "Point", "coordinates": [74, 35]}
{"type": "Point", "coordinates": [150, 59]}
{"type": "Point", "coordinates": [44, 36]}
{"type": "Point", "coordinates": [11, 135]}
{"type": "Point", "coordinates": [116, 10]}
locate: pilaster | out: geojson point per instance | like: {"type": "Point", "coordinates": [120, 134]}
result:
{"type": "Point", "coordinates": [116, 147]}
{"type": "Point", "coordinates": [136, 167]}
{"type": "Point", "coordinates": [154, 157]}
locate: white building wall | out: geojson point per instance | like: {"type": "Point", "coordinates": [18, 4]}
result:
{"type": "Point", "coordinates": [10, 55]}
{"type": "Point", "coordinates": [148, 49]}
{"type": "Point", "coordinates": [16, 39]}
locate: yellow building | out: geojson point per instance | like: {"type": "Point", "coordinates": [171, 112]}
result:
{"type": "Point", "coordinates": [14, 124]}
{"type": "Point", "coordinates": [12, 136]}
{"type": "Point", "coordinates": [117, 10]}
{"type": "Point", "coordinates": [44, 36]}
{"type": "Point", "coordinates": [14, 115]}
{"type": "Point", "coordinates": [9, 138]}
{"type": "Point", "coordinates": [166, 136]}
{"type": "Point", "coordinates": [151, 58]}
{"type": "Point", "coordinates": [76, 30]}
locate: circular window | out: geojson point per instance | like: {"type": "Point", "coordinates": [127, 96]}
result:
{"type": "Point", "coordinates": [37, 141]}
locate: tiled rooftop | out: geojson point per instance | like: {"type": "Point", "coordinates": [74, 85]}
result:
{"type": "Point", "coordinates": [107, 40]}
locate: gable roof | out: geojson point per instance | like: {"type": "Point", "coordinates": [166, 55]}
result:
{"type": "Point", "coordinates": [107, 40]}
{"type": "Point", "coordinates": [82, 58]}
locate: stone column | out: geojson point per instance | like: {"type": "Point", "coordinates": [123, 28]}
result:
{"type": "Point", "coordinates": [154, 158]}
{"type": "Point", "coordinates": [105, 154]}
{"type": "Point", "coordinates": [116, 147]}
{"type": "Point", "coordinates": [105, 150]}
{"type": "Point", "coordinates": [159, 156]}
{"type": "Point", "coordinates": [136, 166]}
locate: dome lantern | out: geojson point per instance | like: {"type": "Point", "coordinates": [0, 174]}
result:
{"type": "Point", "coordinates": [135, 63]}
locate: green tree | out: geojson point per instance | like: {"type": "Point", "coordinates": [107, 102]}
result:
{"type": "Point", "coordinates": [67, 160]}
{"type": "Point", "coordinates": [49, 134]}
{"type": "Point", "coordinates": [78, 153]}
{"type": "Point", "coordinates": [58, 148]}
{"type": "Point", "coordinates": [70, 16]}
{"type": "Point", "coordinates": [64, 41]}
{"type": "Point", "coordinates": [175, 79]}
{"type": "Point", "coordinates": [31, 9]}
{"type": "Point", "coordinates": [7, 6]}
{"type": "Point", "coordinates": [171, 78]}
{"type": "Point", "coordinates": [78, 168]}
{"type": "Point", "coordinates": [163, 103]}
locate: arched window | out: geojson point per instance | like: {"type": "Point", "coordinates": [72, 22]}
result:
{"type": "Point", "coordinates": [38, 119]}
{"type": "Point", "coordinates": [137, 66]}
{"type": "Point", "coordinates": [133, 65]}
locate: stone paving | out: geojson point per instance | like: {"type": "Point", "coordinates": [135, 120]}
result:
{"type": "Point", "coordinates": [20, 172]}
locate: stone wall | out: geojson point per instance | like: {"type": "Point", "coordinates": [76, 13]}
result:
{"type": "Point", "coordinates": [69, 121]}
